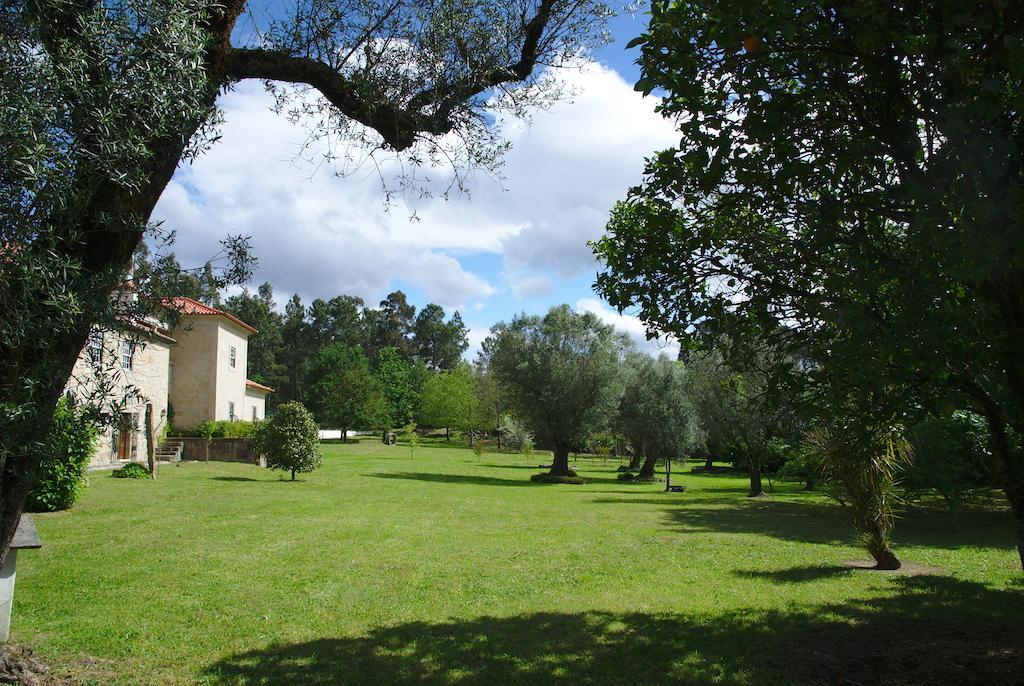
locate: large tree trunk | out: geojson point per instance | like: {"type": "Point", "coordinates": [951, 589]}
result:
{"type": "Point", "coordinates": [560, 461]}
{"type": "Point", "coordinates": [756, 489]}
{"type": "Point", "coordinates": [647, 470]}
{"type": "Point", "coordinates": [709, 462]}
{"type": "Point", "coordinates": [634, 461]}
{"type": "Point", "coordinates": [884, 557]}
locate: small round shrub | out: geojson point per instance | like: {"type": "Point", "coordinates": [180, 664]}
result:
{"type": "Point", "coordinates": [133, 470]}
{"type": "Point", "coordinates": [289, 440]}
{"type": "Point", "coordinates": [557, 479]}
{"type": "Point", "coordinates": [62, 476]}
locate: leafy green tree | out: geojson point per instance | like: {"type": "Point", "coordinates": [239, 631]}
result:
{"type": "Point", "coordinates": [345, 394]}
{"type": "Point", "coordinates": [449, 399]}
{"type": "Point", "coordinates": [338, 320]}
{"type": "Point", "coordinates": [560, 373]}
{"type": "Point", "coordinates": [391, 325]}
{"type": "Point", "coordinates": [489, 401]}
{"type": "Point", "coordinates": [438, 344]}
{"type": "Point", "coordinates": [654, 411]}
{"type": "Point", "coordinates": [951, 456]}
{"type": "Point", "coordinates": [289, 440]}
{"type": "Point", "coordinates": [102, 100]}
{"type": "Point", "coordinates": [735, 411]}
{"type": "Point", "coordinates": [851, 171]}
{"type": "Point", "coordinates": [295, 351]}
{"type": "Point", "coordinates": [395, 376]}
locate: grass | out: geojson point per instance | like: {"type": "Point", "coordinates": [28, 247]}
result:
{"type": "Point", "coordinates": [445, 568]}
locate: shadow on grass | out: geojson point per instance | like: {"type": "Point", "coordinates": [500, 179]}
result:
{"type": "Point", "coordinates": [934, 630]}
{"type": "Point", "coordinates": [452, 479]}
{"type": "Point", "coordinates": [810, 519]}
{"type": "Point", "coordinates": [234, 478]}
{"type": "Point", "coordinates": [797, 575]}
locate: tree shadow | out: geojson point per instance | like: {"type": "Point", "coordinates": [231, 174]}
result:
{"type": "Point", "coordinates": [934, 630]}
{"type": "Point", "coordinates": [234, 478]}
{"type": "Point", "coordinates": [451, 478]}
{"type": "Point", "coordinates": [796, 575]}
{"type": "Point", "coordinates": [823, 522]}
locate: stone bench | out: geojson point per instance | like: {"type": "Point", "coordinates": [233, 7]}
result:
{"type": "Point", "coordinates": [25, 536]}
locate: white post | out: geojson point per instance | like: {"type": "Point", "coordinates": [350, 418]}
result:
{"type": "Point", "coordinates": [7, 593]}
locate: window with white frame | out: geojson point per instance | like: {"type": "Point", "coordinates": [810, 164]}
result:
{"type": "Point", "coordinates": [232, 354]}
{"type": "Point", "coordinates": [231, 411]}
{"type": "Point", "coordinates": [96, 347]}
{"type": "Point", "coordinates": [127, 354]}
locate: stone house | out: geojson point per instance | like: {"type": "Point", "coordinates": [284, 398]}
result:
{"type": "Point", "coordinates": [208, 368]}
{"type": "Point", "coordinates": [195, 373]}
{"type": "Point", "coordinates": [128, 368]}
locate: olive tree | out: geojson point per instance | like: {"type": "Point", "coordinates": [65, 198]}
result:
{"type": "Point", "coordinates": [100, 100]}
{"type": "Point", "coordinates": [654, 413]}
{"type": "Point", "coordinates": [289, 440]}
{"type": "Point", "coordinates": [561, 375]}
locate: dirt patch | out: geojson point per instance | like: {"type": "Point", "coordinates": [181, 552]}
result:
{"type": "Point", "coordinates": [906, 568]}
{"type": "Point", "coordinates": [20, 665]}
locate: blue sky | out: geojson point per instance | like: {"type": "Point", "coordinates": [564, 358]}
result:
{"type": "Point", "coordinates": [515, 246]}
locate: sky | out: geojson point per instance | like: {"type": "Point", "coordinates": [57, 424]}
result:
{"type": "Point", "coordinates": [518, 245]}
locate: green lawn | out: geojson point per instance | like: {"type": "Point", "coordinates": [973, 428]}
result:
{"type": "Point", "coordinates": [380, 568]}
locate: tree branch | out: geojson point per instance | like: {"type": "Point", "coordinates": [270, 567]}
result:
{"type": "Point", "coordinates": [428, 111]}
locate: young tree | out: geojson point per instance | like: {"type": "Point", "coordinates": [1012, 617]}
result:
{"type": "Point", "coordinates": [101, 100]}
{"type": "Point", "coordinates": [345, 394]}
{"type": "Point", "coordinates": [289, 440]}
{"type": "Point", "coordinates": [448, 399]}
{"type": "Point", "coordinates": [863, 463]}
{"type": "Point", "coordinates": [654, 412]}
{"type": "Point", "coordinates": [560, 373]}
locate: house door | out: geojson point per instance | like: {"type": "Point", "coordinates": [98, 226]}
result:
{"type": "Point", "coordinates": [126, 436]}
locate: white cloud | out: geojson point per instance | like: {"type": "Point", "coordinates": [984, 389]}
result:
{"type": "Point", "coordinates": [320, 235]}
{"type": "Point", "coordinates": [632, 326]}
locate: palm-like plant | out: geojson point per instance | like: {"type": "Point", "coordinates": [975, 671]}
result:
{"type": "Point", "coordinates": [862, 465]}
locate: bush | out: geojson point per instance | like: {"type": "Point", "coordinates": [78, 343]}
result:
{"type": "Point", "coordinates": [600, 443]}
{"type": "Point", "coordinates": [62, 476]}
{"type": "Point", "coordinates": [951, 456]}
{"type": "Point", "coordinates": [290, 440]}
{"type": "Point", "coordinates": [515, 435]}
{"type": "Point", "coordinates": [220, 429]}
{"type": "Point", "coordinates": [131, 471]}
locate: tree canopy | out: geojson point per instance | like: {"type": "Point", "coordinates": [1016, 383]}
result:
{"type": "Point", "coordinates": [847, 184]}
{"type": "Point", "coordinates": [560, 374]}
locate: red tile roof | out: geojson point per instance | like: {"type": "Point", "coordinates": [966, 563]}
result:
{"type": "Point", "coordinates": [194, 307]}
{"type": "Point", "coordinates": [258, 386]}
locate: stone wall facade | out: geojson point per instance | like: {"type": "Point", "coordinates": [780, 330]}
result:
{"type": "Point", "coordinates": [132, 367]}
{"type": "Point", "coordinates": [220, 450]}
